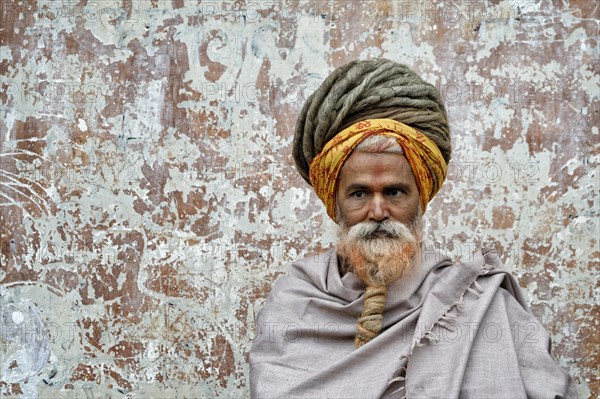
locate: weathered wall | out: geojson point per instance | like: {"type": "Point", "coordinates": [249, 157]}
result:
{"type": "Point", "coordinates": [148, 198]}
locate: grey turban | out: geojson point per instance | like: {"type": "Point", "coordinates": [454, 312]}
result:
{"type": "Point", "coordinates": [373, 89]}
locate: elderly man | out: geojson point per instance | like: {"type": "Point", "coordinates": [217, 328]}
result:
{"type": "Point", "coordinates": [379, 315]}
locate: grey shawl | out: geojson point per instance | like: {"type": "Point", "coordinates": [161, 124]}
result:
{"type": "Point", "coordinates": [458, 330]}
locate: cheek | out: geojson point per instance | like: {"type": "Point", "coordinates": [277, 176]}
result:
{"type": "Point", "coordinates": [352, 212]}
{"type": "Point", "coordinates": [354, 216]}
{"type": "Point", "coordinates": [407, 211]}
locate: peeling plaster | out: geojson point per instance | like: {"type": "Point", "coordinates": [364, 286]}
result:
{"type": "Point", "coordinates": [148, 198]}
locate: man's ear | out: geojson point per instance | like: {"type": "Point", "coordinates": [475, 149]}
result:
{"type": "Point", "coordinates": [338, 219]}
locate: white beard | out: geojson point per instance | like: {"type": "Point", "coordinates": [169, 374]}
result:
{"type": "Point", "coordinates": [380, 253]}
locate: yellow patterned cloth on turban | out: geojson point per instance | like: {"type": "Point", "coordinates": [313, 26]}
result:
{"type": "Point", "coordinates": [425, 159]}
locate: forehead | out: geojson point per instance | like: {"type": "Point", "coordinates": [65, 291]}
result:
{"type": "Point", "coordinates": [365, 168]}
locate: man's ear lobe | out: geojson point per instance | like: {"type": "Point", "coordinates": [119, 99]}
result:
{"type": "Point", "coordinates": [338, 218]}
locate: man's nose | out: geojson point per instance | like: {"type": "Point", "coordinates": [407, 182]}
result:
{"type": "Point", "coordinates": [378, 210]}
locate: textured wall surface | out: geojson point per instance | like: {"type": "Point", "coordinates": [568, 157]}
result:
{"type": "Point", "coordinates": [148, 198]}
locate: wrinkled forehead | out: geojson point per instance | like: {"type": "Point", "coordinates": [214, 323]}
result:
{"type": "Point", "coordinates": [365, 167]}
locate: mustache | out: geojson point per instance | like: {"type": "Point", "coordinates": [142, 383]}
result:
{"type": "Point", "coordinates": [386, 229]}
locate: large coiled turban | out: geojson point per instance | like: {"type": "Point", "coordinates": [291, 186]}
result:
{"type": "Point", "coordinates": [377, 89]}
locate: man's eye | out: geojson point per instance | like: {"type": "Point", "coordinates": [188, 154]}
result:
{"type": "Point", "coordinates": [358, 194]}
{"type": "Point", "coordinates": [395, 192]}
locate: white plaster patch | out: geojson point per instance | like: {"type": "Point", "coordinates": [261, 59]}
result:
{"type": "Point", "coordinates": [17, 317]}
{"type": "Point", "coordinates": [410, 52]}
{"type": "Point", "coordinates": [5, 53]}
{"type": "Point", "coordinates": [578, 34]}
{"type": "Point", "coordinates": [588, 82]}
{"type": "Point", "coordinates": [568, 18]}
{"type": "Point", "coordinates": [82, 125]}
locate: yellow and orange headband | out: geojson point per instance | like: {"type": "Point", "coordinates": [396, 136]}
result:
{"type": "Point", "coordinates": [423, 155]}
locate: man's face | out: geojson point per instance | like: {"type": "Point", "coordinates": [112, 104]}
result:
{"type": "Point", "coordinates": [377, 187]}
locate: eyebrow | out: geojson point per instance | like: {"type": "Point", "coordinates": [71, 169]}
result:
{"type": "Point", "coordinates": [361, 186]}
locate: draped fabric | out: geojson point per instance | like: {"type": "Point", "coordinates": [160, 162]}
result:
{"type": "Point", "coordinates": [451, 330]}
{"type": "Point", "coordinates": [424, 157]}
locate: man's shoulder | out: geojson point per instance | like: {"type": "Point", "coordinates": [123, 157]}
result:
{"type": "Point", "coordinates": [309, 269]}
{"type": "Point", "coordinates": [312, 264]}
{"type": "Point", "coordinates": [315, 257]}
